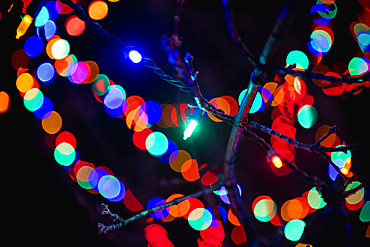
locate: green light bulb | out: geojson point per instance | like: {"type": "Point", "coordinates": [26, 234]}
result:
{"type": "Point", "coordinates": [190, 128]}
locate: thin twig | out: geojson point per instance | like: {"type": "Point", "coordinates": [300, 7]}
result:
{"type": "Point", "coordinates": [230, 22]}
{"type": "Point", "coordinates": [119, 222]}
{"type": "Point", "coordinates": [316, 147]}
{"type": "Point", "coordinates": [313, 180]}
{"type": "Point", "coordinates": [198, 97]}
{"type": "Point", "coordinates": [257, 76]}
{"type": "Point", "coordinates": [336, 168]}
{"type": "Point", "coordinates": [317, 76]}
{"type": "Point", "coordinates": [313, 147]}
{"type": "Point", "coordinates": [354, 190]}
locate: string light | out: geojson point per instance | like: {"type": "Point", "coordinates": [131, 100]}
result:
{"type": "Point", "coordinates": [133, 55]}
{"type": "Point", "coordinates": [274, 158]}
{"type": "Point", "coordinates": [65, 153]}
{"type": "Point", "coordinates": [23, 26]}
{"type": "Point", "coordinates": [192, 122]}
{"type": "Point", "coordinates": [34, 8]}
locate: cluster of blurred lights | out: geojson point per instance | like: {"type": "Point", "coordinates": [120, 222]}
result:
{"type": "Point", "coordinates": [342, 160]}
{"type": "Point", "coordinates": [225, 103]}
{"type": "Point", "coordinates": [322, 37]}
{"type": "Point", "coordinates": [290, 95]}
{"type": "Point", "coordinates": [265, 209]}
{"type": "Point", "coordinates": [157, 236]}
{"type": "Point", "coordinates": [338, 70]}
{"type": "Point", "coordinates": [361, 32]}
{"type": "Point", "coordinates": [140, 115]}
{"type": "Point", "coordinates": [292, 211]}
{"type": "Point", "coordinates": [95, 180]}
{"type": "Point", "coordinates": [199, 218]}
{"type": "Point", "coordinates": [355, 201]}
{"type": "Point", "coordinates": [172, 114]}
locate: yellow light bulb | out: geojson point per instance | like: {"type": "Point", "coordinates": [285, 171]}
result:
{"type": "Point", "coordinates": [23, 26]}
{"type": "Point", "coordinates": [276, 160]}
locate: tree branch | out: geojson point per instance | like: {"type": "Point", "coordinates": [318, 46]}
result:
{"type": "Point", "coordinates": [230, 22]}
{"type": "Point", "coordinates": [313, 180]}
{"type": "Point", "coordinates": [258, 75]}
{"type": "Point", "coordinates": [119, 222]}
{"type": "Point", "coordinates": [317, 76]}
{"type": "Point", "coordinates": [354, 190]}
{"type": "Point", "coordinates": [316, 147]}
{"type": "Point", "coordinates": [229, 163]}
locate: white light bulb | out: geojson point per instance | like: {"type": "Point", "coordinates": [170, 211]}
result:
{"type": "Point", "coordinates": [135, 56]}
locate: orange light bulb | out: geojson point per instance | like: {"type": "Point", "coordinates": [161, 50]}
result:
{"type": "Point", "coordinates": [23, 26]}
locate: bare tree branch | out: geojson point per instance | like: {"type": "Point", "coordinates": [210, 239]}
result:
{"type": "Point", "coordinates": [230, 22]}
{"type": "Point", "coordinates": [316, 147]}
{"type": "Point", "coordinates": [119, 222]}
{"type": "Point", "coordinates": [317, 76]}
{"type": "Point", "coordinates": [354, 190]}
{"type": "Point", "coordinates": [258, 75]}
{"type": "Point", "coordinates": [313, 180]}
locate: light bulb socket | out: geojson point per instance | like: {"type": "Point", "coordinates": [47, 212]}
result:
{"type": "Point", "coordinates": [270, 154]}
{"type": "Point", "coordinates": [197, 114]}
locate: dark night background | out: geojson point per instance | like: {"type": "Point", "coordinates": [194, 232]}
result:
{"type": "Point", "coordinates": [42, 205]}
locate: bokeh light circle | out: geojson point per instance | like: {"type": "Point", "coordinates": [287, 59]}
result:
{"type": "Point", "coordinates": [42, 17]}
{"type": "Point", "coordinates": [4, 101]}
{"type": "Point", "coordinates": [298, 58]}
{"type": "Point", "coordinates": [315, 200]}
{"type": "Point", "coordinates": [64, 154]}
{"type": "Point", "coordinates": [46, 73]}
{"type": "Point", "coordinates": [154, 202]}
{"type": "Point", "coordinates": [74, 26]}
{"type": "Point", "coordinates": [98, 10]}
{"type": "Point", "coordinates": [24, 82]}
{"type": "Point", "coordinates": [33, 46]}
{"type": "Point", "coordinates": [53, 123]}
{"type": "Point", "coordinates": [200, 219]}
{"type": "Point", "coordinates": [42, 108]}
{"type": "Point", "coordinates": [294, 229]}
{"type": "Point", "coordinates": [111, 188]}
{"type": "Point", "coordinates": [31, 97]}
{"type": "Point", "coordinates": [20, 59]}
{"type": "Point", "coordinates": [115, 97]}
{"type": "Point", "coordinates": [307, 116]}
{"type": "Point", "coordinates": [156, 143]}
{"type": "Point", "coordinates": [60, 49]}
